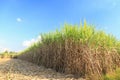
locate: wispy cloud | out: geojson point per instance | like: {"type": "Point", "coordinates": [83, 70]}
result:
{"type": "Point", "coordinates": [28, 43]}
{"type": "Point", "coordinates": [19, 20]}
{"type": "Point", "coordinates": [4, 49]}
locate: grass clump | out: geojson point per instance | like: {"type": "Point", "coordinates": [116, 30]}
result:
{"type": "Point", "coordinates": [113, 75]}
{"type": "Point", "coordinates": [79, 50]}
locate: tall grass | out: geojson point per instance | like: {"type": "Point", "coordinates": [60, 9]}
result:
{"type": "Point", "coordinates": [79, 50]}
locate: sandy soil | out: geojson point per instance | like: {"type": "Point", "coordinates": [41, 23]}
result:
{"type": "Point", "coordinates": [15, 69]}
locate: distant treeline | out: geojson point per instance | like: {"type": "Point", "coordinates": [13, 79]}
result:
{"type": "Point", "coordinates": [7, 54]}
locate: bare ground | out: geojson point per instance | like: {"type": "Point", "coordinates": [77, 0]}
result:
{"type": "Point", "coordinates": [15, 69]}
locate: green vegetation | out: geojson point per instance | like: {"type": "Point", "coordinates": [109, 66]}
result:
{"type": "Point", "coordinates": [79, 50]}
{"type": "Point", "coordinates": [7, 54]}
{"type": "Point", "coordinates": [113, 75]}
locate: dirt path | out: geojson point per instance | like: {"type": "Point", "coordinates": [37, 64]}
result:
{"type": "Point", "coordinates": [15, 69]}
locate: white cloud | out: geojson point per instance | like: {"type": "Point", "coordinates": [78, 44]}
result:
{"type": "Point", "coordinates": [4, 49]}
{"type": "Point", "coordinates": [19, 19]}
{"type": "Point", "coordinates": [28, 43]}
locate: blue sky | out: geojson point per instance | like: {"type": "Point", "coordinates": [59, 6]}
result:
{"type": "Point", "coordinates": [21, 21]}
